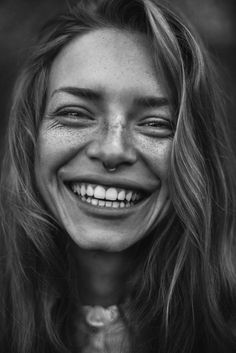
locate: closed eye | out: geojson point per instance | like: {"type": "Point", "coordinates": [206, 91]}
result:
{"type": "Point", "coordinates": [157, 126]}
{"type": "Point", "coordinates": [74, 113]}
{"type": "Point", "coordinates": [73, 116]}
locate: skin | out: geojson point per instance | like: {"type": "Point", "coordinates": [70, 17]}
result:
{"type": "Point", "coordinates": [79, 134]}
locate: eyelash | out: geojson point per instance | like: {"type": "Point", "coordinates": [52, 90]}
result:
{"type": "Point", "coordinates": [72, 113]}
{"type": "Point", "coordinates": [158, 123]}
{"type": "Point", "coordinates": [69, 116]}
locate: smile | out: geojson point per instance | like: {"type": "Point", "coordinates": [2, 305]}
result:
{"type": "Point", "coordinates": [108, 197]}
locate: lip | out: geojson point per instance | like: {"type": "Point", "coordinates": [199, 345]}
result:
{"type": "Point", "coordinates": [113, 181]}
{"type": "Point", "coordinates": [106, 212]}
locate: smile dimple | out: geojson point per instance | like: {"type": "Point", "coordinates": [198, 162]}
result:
{"type": "Point", "coordinates": [112, 197]}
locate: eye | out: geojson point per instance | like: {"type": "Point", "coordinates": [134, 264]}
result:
{"type": "Point", "coordinates": [73, 116]}
{"type": "Point", "coordinates": [74, 113]}
{"type": "Point", "coordinates": [157, 126]}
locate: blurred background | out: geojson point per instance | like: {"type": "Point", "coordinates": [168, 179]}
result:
{"type": "Point", "coordinates": [20, 21]}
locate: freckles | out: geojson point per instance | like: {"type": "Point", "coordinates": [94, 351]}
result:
{"type": "Point", "coordinates": [60, 143]}
{"type": "Point", "coordinates": [156, 153]}
{"type": "Point", "coordinates": [162, 158]}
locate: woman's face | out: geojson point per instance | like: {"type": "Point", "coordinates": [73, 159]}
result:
{"type": "Point", "coordinates": [105, 107]}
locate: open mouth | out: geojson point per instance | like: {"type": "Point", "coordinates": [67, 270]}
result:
{"type": "Point", "coordinates": [108, 197]}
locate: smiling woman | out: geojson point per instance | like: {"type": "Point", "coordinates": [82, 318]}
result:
{"type": "Point", "coordinates": [117, 196]}
{"type": "Point", "coordinates": [105, 107]}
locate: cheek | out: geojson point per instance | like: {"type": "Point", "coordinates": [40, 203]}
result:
{"type": "Point", "coordinates": [56, 147]}
{"type": "Point", "coordinates": [156, 153]}
{"type": "Point", "coordinates": [161, 161]}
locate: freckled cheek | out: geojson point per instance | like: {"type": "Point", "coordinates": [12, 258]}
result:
{"type": "Point", "coordinates": [56, 148]}
{"type": "Point", "coordinates": [157, 153]}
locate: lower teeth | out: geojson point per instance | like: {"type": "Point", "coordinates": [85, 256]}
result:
{"type": "Point", "coordinates": [103, 203]}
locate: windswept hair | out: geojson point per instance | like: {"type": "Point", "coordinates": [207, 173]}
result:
{"type": "Point", "coordinates": [183, 294]}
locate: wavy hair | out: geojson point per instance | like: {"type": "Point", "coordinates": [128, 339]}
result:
{"type": "Point", "coordinates": [184, 291]}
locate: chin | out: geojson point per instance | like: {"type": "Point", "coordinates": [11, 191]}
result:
{"type": "Point", "coordinates": [98, 239]}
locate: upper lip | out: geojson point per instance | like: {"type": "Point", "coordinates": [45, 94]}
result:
{"type": "Point", "coordinates": [113, 181]}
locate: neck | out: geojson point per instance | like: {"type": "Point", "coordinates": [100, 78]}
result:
{"type": "Point", "coordinates": [102, 276]}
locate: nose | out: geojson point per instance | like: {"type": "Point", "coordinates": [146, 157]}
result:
{"type": "Point", "coordinates": [113, 147]}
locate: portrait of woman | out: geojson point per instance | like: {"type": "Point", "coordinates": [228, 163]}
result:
{"type": "Point", "coordinates": [117, 190]}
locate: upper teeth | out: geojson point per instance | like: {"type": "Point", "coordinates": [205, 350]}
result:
{"type": "Point", "coordinates": [101, 193]}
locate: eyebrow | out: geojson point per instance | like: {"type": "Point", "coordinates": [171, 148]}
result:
{"type": "Point", "coordinates": [151, 102]}
{"type": "Point", "coordinates": [86, 93]}
{"type": "Point", "coordinates": [98, 95]}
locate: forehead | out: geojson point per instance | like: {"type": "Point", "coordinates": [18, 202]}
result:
{"type": "Point", "coordinates": [115, 60]}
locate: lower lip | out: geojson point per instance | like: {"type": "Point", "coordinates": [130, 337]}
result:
{"type": "Point", "coordinates": [107, 211]}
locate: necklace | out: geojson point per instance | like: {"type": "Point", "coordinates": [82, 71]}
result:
{"type": "Point", "coordinates": [98, 316]}
{"type": "Point", "coordinates": [103, 329]}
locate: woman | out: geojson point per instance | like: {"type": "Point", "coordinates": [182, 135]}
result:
{"type": "Point", "coordinates": [117, 201]}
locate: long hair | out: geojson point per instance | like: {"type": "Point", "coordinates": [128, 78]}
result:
{"type": "Point", "coordinates": [184, 291]}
